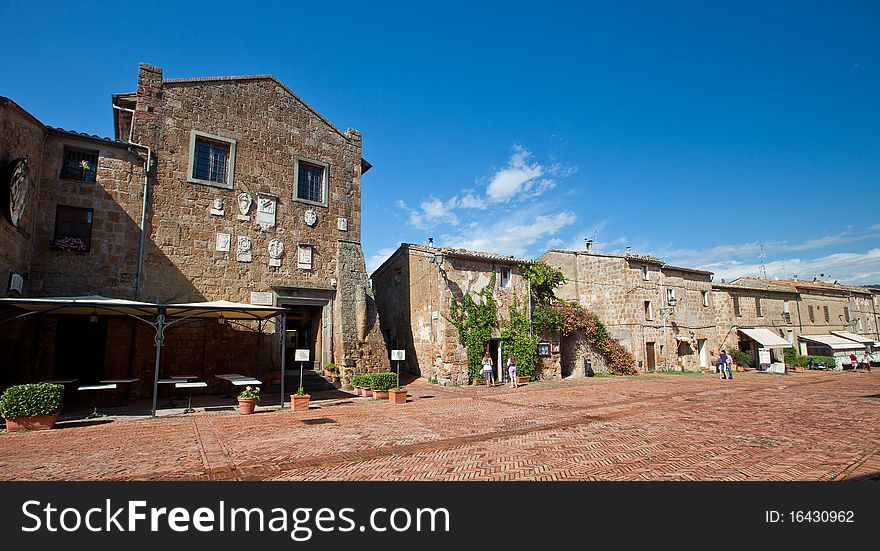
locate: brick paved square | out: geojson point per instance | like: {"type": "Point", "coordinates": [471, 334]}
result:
{"type": "Point", "coordinates": [806, 426]}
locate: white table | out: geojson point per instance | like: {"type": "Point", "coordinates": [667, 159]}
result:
{"type": "Point", "coordinates": [97, 389]}
{"type": "Point", "coordinates": [173, 381]}
{"type": "Point", "coordinates": [238, 380]}
{"type": "Point", "coordinates": [60, 381]}
{"type": "Point", "coordinates": [191, 385]}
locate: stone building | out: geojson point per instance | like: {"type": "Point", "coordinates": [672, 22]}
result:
{"type": "Point", "coordinates": [229, 188]}
{"type": "Point", "coordinates": [754, 313]}
{"type": "Point", "coordinates": [658, 312]}
{"type": "Point", "coordinates": [414, 288]}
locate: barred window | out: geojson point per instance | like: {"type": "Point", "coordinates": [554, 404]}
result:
{"type": "Point", "coordinates": [73, 229]}
{"type": "Point", "coordinates": [827, 316]}
{"type": "Point", "coordinates": [758, 311]}
{"type": "Point", "coordinates": [310, 182]}
{"type": "Point", "coordinates": [811, 313]}
{"type": "Point", "coordinates": [212, 160]}
{"type": "Point", "coordinates": [79, 165]}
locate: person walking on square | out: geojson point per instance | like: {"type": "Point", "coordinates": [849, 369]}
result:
{"type": "Point", "coordinates": [729, 365]}
{"type": "Point", "coordinates": [722, 363]}
{"type": "Point", "coordinates": [487, 369]}
{"type": "Point", "coordinates": [866, 360]}
{"type": "Point", "coordinates": [511, 369]}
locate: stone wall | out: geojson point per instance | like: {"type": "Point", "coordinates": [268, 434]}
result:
{"type": "Point", "coordinates": [772, 310]}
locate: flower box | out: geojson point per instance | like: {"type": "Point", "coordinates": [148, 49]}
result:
{"type": "Point", "coordinates": [397, 396]}
{"type": "Point", "coordinates": [299, 402]}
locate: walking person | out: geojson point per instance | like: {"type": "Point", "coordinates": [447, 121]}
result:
{"type": "Point", "coordinates": [511, 369]}
{"type": "Point", "coordinates": [866, 361]}
{"type": "Point", "coordinates": [722, 363]}
{"type": "Point", "coordinates": [486, 370]}
{"type": "Point", "coordinates": [729, 364]}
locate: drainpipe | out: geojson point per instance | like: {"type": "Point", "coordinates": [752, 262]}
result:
{"type": "Point", "coordinates": [140, 261]}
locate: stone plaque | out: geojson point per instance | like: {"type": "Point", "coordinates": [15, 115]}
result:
{"type": "Point", "coordinates": [311, 217]}
{"type": "Point", "coordinates": [266, 206]}
{"type": "Point", "coordinates": [244, 252]}
{"type": "Point", "coordinates": [16, 283]}
{"type": "Point", "coordinates": [342, 224]}
{"type": "Point", "coordinates": [217, 210]}
{"type": "Point", "coordinates": [304, 257]}
{"type": "Point", "coordinates": [17, 190]}
{"type": "Point", "coordinates": [263, 298]}
{"type": "Point", "coordinates": [276, 251]}
{"type": "Point", "coordinates": [222, 242]}
{"type": "Point", "coordinates": [244, 201]}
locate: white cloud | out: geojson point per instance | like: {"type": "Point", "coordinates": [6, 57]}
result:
{"type": "Point", "coordinates": [432, 211]}
{"type": "Point", "coordinates": [377, 259]}
{"type": "Point", "coordinates": [512, 235]}
{"type": "Point", "coordinates": [851, 268]}
{"type": "Point", "coordinates": [520, 178]}
{"type": "Point", "coordinates": [471, 201]}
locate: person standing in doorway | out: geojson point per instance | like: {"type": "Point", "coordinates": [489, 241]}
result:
{"type": "Point", "coordinates": [511, 369]}
{"type": "Point", "coordinates": [487, 369]}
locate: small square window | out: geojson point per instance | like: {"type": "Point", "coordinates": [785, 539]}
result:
{"type": "Point", "coordinates": [311, 182]}
{"type": "Point", "coordinates": [79, 165]}
{"type": "Point", "coordinates": [73, 229]}
{"type": "Point", "coordinates": [212, 160]}
{"type": "Point", "coordinates": [505, 278]}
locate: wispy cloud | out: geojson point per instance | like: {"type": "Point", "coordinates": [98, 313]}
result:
{"type": "Point", "coordinates": [512, 235]}
{"type": "Point", "coordinates": [851, 268]}
{"type": "Point", "coordinates": [520, 176]}
{"type": "Point", "coordinates": [377, 259]}
{"type": "Point", "coordinates": [432, 211]}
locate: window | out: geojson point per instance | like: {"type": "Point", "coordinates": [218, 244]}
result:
{"type": "Point", "coordinates": [811, 313]}
{"type": "Point", "coordinates": [705, 296]}
{"type": "Point", "coordinates": [649, 312]}
{"type": "Point", "coordinates": [736, 307]}
{"type": "Point", "coordinates": [79, 165]}
{"type": "Point", "coordinates": [758, 311]}
{"type": "Point", "coordinates": [645, 273]}
{"type": "Point", "coordinates": [846, 314]}
{"type": "Point", "coordinates": [73, 229]}
{"type": "Point", "coordinates": [827, 316]}
{"type": "Point", "coordinates": [311, 181]}
{"type": "Point", "coordinates": [212, 160]}
{"type": "Point", "coordinates": [670, 296]}
{"type": "Point", "coordinates": [505, 278]}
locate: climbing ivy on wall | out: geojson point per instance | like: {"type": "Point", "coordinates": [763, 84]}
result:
{"type": "Point", "coordinates": [576, 319]}
{"type": "Point", "coordinates": [475, 320]}
{"type": "Point", "coordinates": [516, 339]}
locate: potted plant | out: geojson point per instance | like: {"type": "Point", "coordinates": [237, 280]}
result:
{"type": "Point", "coordinates": [381, 383]}
{"type": "Point", "coordinates": [331, 371]}
{"type": "Point", "coordinates": [247, 399]}
{"type": "Point", "coordinates": [31, 407]}
{"type": "Point", "coordinates": [300, 400]}
{"type": "Point", "coordinates": [361, 384]}
{"type": "Point", "coordinates": [397, 395]}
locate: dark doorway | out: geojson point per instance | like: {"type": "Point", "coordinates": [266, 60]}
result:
{"type": "Point", "coordinates": [650, 358]}
{"type": "Point", "coordinates": [303, 332]}
{"type": "Point", "coordinates": [80, 348]}
{"type": "Point", "coordinates": [495, 351]}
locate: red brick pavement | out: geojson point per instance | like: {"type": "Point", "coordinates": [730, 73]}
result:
{"type": "Point", "coordinates": [811, 426]}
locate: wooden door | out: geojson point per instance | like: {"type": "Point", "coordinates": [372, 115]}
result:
{"type": "Point", "coordinates": [650, 356]}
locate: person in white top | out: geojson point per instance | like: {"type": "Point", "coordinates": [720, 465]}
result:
{"type": "Point", "coordinates": [487, 370]}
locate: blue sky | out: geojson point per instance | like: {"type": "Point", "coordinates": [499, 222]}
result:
{"type": "Point", "coordinates": [697, 132]}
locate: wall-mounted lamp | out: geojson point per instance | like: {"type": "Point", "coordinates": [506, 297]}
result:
{"type": "Point", "coordinates": [93, 317]}
{"type": "Point", "coordinates": [672, 302]}
{"type": "Point", "coordinates": [221, 320]}
{"type": "Point", "coordinates": [436, 259]}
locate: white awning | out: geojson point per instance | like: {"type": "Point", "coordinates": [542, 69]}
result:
{"type": "Point", "coordinates": [833, 342]}
{"type": "Point", "coordinates": [84, 306]}
{"type": "Point", "coordinates": [853, 337]}
{"type": "Point", "coordinates": [222, 309]}
{"type": "Point", "coordinates": [766, 338]}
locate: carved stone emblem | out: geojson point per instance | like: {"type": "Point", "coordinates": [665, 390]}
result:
{"type": "Point", "coordinates": [276, 251]}
{"type": "Point", "coordinates": [311, 217]}
{"type": "Point", "coordinates": [304, 257]}
{"type": "Point", "coordinates": [218, 207]}
{"type": "Point", "coordinates": [266, 211]}
{"type": "Point", "coordinates": [222, 242]}
{"type": "Point", "coordinates": [17, 190]}
{"type": "Point", "coordinates": [245, 201]}
{"type": "Point", "coordinates": [342, 224]}
{"type": "Point", "coordinates": [244, 252]}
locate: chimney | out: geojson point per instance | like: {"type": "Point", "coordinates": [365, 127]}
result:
{"type": "Point", "coordinates": [628, 251]}
{"type": "Point", "coordinates": [430, 241]}
{"type": "Point", "coordinates": [588, 245]}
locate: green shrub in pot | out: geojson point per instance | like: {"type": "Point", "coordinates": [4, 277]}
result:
{"type": "Point", "coordinates": [31, 400]}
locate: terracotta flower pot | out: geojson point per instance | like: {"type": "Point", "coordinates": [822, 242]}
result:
{"type": "Point", "coordinates": [41, 422]}
{"type": "Point", "coordinates": [246, 405]}
{"type": "Point", "coordinates": [299, 402]}
{"type": "Point", "coordinates": [368, 392]}
{"type": "Point", "coordinates": [397, 395]}
{"type": "Point", "coordinates": [380, 394]}
{"type": "Point", "coordinates": [521, 380]}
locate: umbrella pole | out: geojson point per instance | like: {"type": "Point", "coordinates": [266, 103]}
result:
{"type": "Point", "coordinates": [283, 324]}
{"type": "Point", "coordinates": [160, 340]}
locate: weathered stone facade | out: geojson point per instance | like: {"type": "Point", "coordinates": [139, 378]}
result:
{"type": "Point", "coordinates": [270, 132]}
{"type": "Point", "coordinates": [414, 292]}
{"type": "Point", "coordinates": [629, 294]}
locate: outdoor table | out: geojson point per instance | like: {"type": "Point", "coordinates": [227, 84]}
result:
{"type": "Point", "coordinates": [173, 381]}
{"type": "Point", "coordinates": [238, 380]}
{"type": "Point", "coordinates": [190, 385]}
{"type": "Point", "coordinates": [97, 389]}
{"type": "Point", "coordinates": [119, 382]}
{"type": "Point", "coordinates": [60, 381]}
